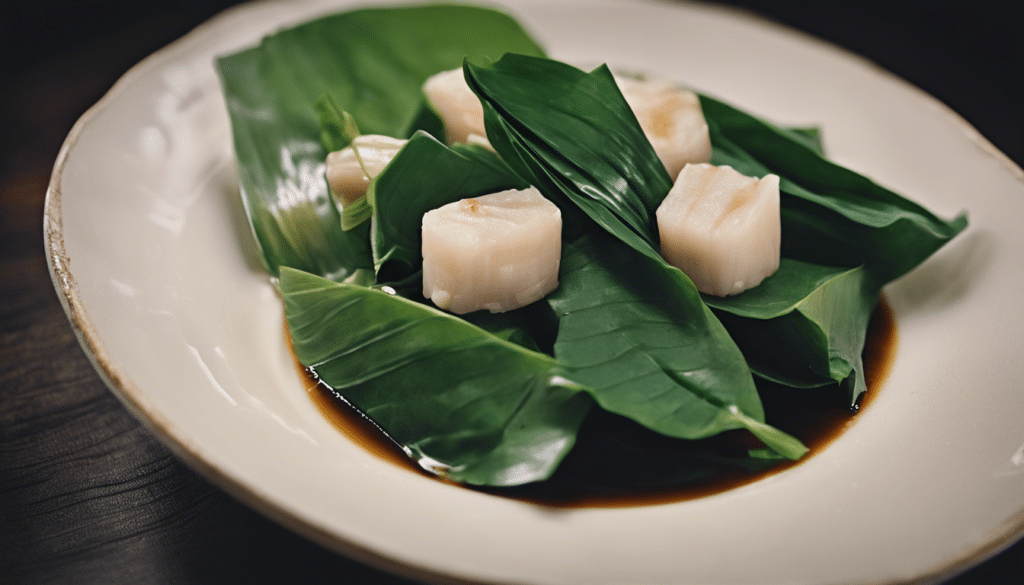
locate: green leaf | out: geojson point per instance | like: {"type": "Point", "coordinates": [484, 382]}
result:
{"type": "Point", "coordinates": [337, 127]}
{"type": "Point", "coordinates": [373, 63]}
{"type": "Point", "coordinates": [831, 215]}
{"type": "Point", "coordinates": [572, 135]}
{"type": "Point", "coordinates": [852, 237]}
{"type": "Point", "coordinates": [650, 350]}
{"type": "Point", "coordinates": [425, 175]}
{"type": "Point", "coordinates": [463, 403]}
{"type": "Point", "coordinates": [810, 136]}
{"type": "Point", "coordinates": [426, 120]}
{"type": "Point", "coordinates": [485, 410]}
{"type": "Point", "coordinates": [525, 326]}
{"type": "Point", "coordinates": [356, 213]}
{"type": "Point", "coordinates": [782, 292]}
{"type": "Point", "coordinates": [805, 325]}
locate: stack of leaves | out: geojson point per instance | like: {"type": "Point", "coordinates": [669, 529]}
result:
{"type": "Point", "coordinates": [499, 400]}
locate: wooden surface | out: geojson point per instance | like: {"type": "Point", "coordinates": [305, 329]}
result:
{"type": "Point", "coordinates": [87, 495]}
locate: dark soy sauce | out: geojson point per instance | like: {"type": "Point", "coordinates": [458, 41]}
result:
{"type": "Point", "coordinates": [617, 463]}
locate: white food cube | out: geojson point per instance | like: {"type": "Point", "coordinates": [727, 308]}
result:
{"type": "Point", "coordinates": [497, 252]}
{"type": "Point", "coordinates": [348, 178]}
{"type": "Point", "coordinates": [672, 120]}
{"type": "Point", "coordinates": [451, 98]}
{"type": "Point", "coordinates": [721, 228]}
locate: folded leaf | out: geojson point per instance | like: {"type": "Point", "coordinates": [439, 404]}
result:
{"type": "Point", "coordinates": [805, 325]}
{"type": "Point", "coordinates": [372, 62]}
{"type": "Point", "coordinates": [573, 135]}
{"type": "Point", "coordinates": [830, 214]}
{"type": "Point", "coordinates": [463, 403]}
{"type": "Point", "coordinates": [337, 127]}
{"type": "Point", "coordinates": [640, 339]}
{"type": "Point", "coordinates": [810, 136]}
{"type": "Point", "coordinates": [632, 332]}
{"type": "Point", "coordinates": [425, 175]}
{"type": "Point", "coordinates": [780, 293]}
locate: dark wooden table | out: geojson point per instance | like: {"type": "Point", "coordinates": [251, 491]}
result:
{"type": "Point", "coordinates": [87, 495]}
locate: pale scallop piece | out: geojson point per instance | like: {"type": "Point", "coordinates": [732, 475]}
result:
{"type": "Point", "coordinates": [723, 229]}
{"type": "Point", "coordinates": [450, 97]}
{"type": "Point", "coordinates": [347, 178]}
{"type": "Point", "coordinates": [672, 120]}
{"type": "Point", "coordinates": [496, 252]}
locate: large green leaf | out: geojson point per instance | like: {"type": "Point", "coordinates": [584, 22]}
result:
{"type": "Point", "coordinates": [425, 175]}
{"type": "Point", "coordinates": [854, 235]}
{"type": "Point", "coordinates": [628, 331]}
{"type": "Point", "coordinates": [572, 134]}
{"type": "Point", "coordinates": [805, 325]}
{"type": "Point", "coordinates": [280, 168]}
{"type": "Point", "coordinates": [463, 403]}
{"type": "Point", "coordinates": [373, 63]}
{"type": "Point", "coordinates": [831, 215]}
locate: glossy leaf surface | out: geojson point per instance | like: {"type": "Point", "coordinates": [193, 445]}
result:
{"type": "Point", "coordinates": [575, 136]}
{"type": "Point", "coordinates": [805, 325]}
{"type": "Point", "coordinates": [627, 331]}
{"type": "Point", "coordinates": [372, 63]}
{"type": "Point", "coordinates": [463, 403]}
{"type": "Point", "coordinates": [831, 215]}
{"type": "Point", "coordinates": [425, 175]}
{"type": "Point", "coordinates": [575, 133]}
{"type": "Point", "coordinates": [632, 332]}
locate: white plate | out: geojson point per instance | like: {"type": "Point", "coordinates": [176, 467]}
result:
{"type": "Point", "coordinates": [150, 252]}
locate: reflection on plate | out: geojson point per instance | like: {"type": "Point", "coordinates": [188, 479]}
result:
{"type": "Point", "coordinates": [151, 254]}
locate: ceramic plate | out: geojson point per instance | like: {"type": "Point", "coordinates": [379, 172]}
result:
{"type": "Point", "coordinates": [151, 254]}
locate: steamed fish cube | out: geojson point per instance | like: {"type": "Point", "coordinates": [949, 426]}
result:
{"type": "Point", "coordinates": [721, 228]}
{"type": "Point", "coordinates": [497, 252]}
{"type": "Point", "coordinates": [350, 170]}
{"type": "Point", "coordinates": [672, 120]}
{"type": "Point", "coordinates": [450, 97]}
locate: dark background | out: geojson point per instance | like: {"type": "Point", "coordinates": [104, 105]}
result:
{"type": "Point", "coordinates": [89, 496]}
